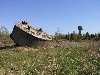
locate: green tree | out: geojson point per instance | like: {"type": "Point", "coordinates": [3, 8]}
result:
{"type": "Point", "coordinates": [99, 35]}
{"type": "Point", "coordinates": [87, 36]}
{"type": "Point", "coordinates": [71, 36]}
{"type": "Point", "coordinates": [4, 32]}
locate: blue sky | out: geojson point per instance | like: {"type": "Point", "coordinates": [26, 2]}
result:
{"type": "Point", "coordinates": [52, 14]}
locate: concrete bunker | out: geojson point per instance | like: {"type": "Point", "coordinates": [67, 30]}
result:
{"type": "Point", "coordinates": [25, 35]}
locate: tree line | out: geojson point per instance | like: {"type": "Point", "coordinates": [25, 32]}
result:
{"type": "Point", "coordinates": [4, 33]}
{"type": "Point", "coordinates": [77, 37]}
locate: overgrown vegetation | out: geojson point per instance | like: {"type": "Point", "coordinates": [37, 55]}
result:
{"type": "Point", "coordinates": [5, 39]}
{"type": "Point", "coordinates": [61, 57]}
{"type": "Point", "coordinates": [4, 33]}
{"type": "Point", "coordinates": [50, 61]}
{"type": "Point", "coordinates": [76, 37]}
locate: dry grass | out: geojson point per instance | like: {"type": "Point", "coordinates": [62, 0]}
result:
{"type": "Point", "coordinates": [50, 61]}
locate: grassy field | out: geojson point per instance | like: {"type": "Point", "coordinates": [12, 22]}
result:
{"type": "Point", "coordinates": [50, 61]}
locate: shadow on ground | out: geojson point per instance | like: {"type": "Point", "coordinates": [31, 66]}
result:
{"type": "Point", "coordinates": [9, 47]}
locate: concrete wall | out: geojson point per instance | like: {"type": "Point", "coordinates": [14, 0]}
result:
{"type": "Point", "coordinates": [24, 39]}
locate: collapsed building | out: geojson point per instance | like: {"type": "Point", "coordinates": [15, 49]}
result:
{"type": "Point", "coordinates": [25, 35]}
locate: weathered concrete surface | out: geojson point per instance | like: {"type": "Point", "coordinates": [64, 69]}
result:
{"type": "Point", "coordinates": [25, 35]}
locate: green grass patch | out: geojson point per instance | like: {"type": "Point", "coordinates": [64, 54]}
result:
{"type": "Point", "coordinates": [49, 61]}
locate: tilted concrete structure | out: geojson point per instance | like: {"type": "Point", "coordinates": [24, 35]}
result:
{"type": "Point", "coordinates": [25, 35]}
